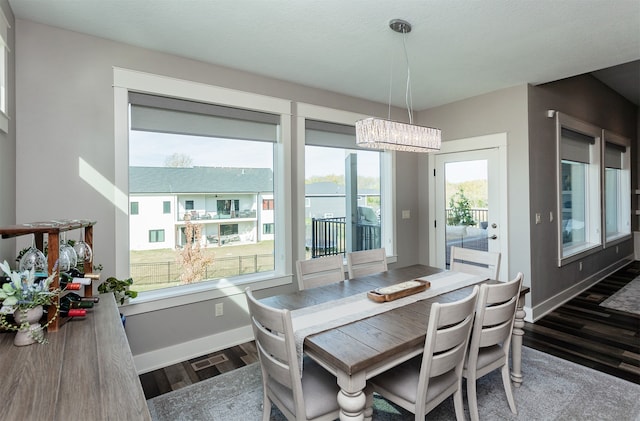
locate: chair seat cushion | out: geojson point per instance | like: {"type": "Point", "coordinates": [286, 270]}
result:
{"type": "Point", "coordinates": [319, 387]}
{"type": "Point", "coordinates": [402, 381]}
{"type": "Point", "coordinates": [488, 355]}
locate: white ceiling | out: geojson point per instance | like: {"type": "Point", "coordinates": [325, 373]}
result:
{"type": "Point", "coordinates": [457, 48]}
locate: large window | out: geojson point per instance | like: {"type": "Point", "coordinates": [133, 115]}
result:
{"type": "Point", "coordinates": [617, 187]}
{"type": "Point", "coordinates": [579, 215]}
{"type": "Point", "coordinates": [216, 163]}
{"type": "Point", "coordinates": [342, 191]}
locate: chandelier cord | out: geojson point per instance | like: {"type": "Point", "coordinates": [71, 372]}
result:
{"type": "Point", "coordinates": [407, 97]}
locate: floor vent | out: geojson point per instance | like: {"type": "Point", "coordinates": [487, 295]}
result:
{"type": "Point", "coordinates": [209, 362]}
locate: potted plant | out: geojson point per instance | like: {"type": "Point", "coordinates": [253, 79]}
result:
{"type": "Point", "coordinates": [23, 297]}
{"type": "Point", "coordinates": [120, 288]}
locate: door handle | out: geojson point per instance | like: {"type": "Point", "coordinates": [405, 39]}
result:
{"type": "Point", "coordinates": [493, 237]}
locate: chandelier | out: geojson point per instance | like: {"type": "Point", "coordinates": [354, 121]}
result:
{"type": "Point", "coordinates": [386, 134]}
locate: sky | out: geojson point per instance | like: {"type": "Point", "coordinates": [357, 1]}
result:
{"type": "Point", "coordinates": [210, 152]}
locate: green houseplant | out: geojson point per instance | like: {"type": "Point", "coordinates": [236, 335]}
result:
{"type": "Point", "coordinates": [120, 288]}
{"type": "Point", "coordinates": [20, 296]}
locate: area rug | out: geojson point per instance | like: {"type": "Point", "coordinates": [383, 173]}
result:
{"type": "Point", "coordinates": [627, 299]}
{"type": "Point", "coordinates": [553, 389]}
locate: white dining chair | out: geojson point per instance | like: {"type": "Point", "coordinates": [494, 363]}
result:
{"type": "Point", "coordinates": [491, 338]}
{"type": "Point", "coordinates": [366, 262]}
{"type": "Point", "coordinates": [422, 383]}
{"type": "Point", "coordinates": [312, 396]}
{"type": "Point", "coordinates": [476, 262]}
{"type": "Point", "coordinates": [320, 271]}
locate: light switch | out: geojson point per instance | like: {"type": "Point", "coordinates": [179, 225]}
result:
{"type": "Point", "coordinates": [406, 214]}
{"type": "Point", "coordinates": [538, 218]}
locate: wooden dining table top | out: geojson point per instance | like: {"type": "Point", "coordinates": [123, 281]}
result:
{"type": "Point", "coordinates": [367, 342]}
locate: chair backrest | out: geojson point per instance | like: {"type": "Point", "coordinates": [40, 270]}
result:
{"type": "Point", "coordinates": [495, 313]}
{"type": "Point", "coordinates": [273, 334]}
{"type": "Point", "coordinates": [320, 271]}
{"type": "Point", "coordinates": [446, 342]}
{"type": "Point", "coordinates": [476, 262]}
{"type": "Point", "coordinates": [366, 262]}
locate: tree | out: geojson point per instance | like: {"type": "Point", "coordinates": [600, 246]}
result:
{"type": "Point", "coordinates": [178, 160]}
{"type": "Point", "coordinates": [193, 259]}
{"type": "Point", "coordinates": [460, 210]}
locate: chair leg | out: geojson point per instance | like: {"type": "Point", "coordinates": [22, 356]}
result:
{"type": "Point", "coordinates": [458, 404]}
{"type": "Point", "coordinates": [472, 399]}
{"type": "Point", "coordinates": [506, 381]}
{"type": "Point", "coordinates": [266, 408]}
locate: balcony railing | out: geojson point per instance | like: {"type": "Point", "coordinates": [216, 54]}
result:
{"type": "Point", "coordinates": [213, 215]}
{"type": "Point", "coordinates": [328, 236]}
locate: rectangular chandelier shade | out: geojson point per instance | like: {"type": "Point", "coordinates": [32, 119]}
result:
{"type": "Point", "coordinates": [378, 133]}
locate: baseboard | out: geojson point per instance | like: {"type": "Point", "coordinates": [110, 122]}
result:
{"type": "Point", "coordinates": [181, 352]}
{"type": "Point", "coordinates": [547, 306]}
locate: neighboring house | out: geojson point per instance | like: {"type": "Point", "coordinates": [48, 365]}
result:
{"type": "Point", "coordinates": [231, 204]}
{"type": "Point", "coordinates": [327, 200]}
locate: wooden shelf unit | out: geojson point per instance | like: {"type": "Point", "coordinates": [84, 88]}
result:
{"type": "Point", "coordinates": [52, 229]}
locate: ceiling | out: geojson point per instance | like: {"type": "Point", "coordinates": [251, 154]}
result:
{"type": "Point", "coordinates": [456, 49]}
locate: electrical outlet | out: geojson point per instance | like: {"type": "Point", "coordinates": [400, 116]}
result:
{"type": "Point", "coordinates": [219, 309]}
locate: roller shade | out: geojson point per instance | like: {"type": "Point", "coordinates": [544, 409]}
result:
{"type": "Point", "coordinates": [170, 115]}
{"type": "Point", "coordinates": [613, 155]}
{"type": "Point", "coordinates": [575, 146]}
{"type": "Point", "coordinates": [320, 133]}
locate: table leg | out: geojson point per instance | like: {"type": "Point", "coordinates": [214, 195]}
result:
{"type": "Point", "coordinates": [352, 398]}
{"type": "Point", "coordinates": [516, 343]}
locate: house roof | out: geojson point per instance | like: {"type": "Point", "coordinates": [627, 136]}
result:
{"type": "Point", "coordinates": [200, 180]}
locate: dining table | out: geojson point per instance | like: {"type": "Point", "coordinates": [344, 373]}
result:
{"type": "Point", "coordinates": [366, 343]}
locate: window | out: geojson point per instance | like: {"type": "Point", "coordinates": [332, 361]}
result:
{"type": "Point", "coordinates": [4, 64]}
{"type": "Point", "coordinates": [579, 220]}
{"type": "Point", "coordinates": [617, 187]}
{"type": "Point", "coordinates": [216, 161]}
{"type": "Point", "coordinates": [343, 190]}
{"type": "Point", "coordinates": [156, 236]}
{"type": "Point", "coordinates": [267, 204]}
{"type": "Point", "coordinates": [134, 208]}
{"type": "Point", "coordinates": [267, 228]}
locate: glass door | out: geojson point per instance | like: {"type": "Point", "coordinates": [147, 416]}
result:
{"type": "Point", "coordinates": [467, 202]}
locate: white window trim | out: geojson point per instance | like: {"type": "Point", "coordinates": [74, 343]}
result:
{"type": "Point", "coordinates": [624, 206]}
{"type": "Point", "coordinates": [306, 111]}
{"type": "Point", "coordinates": [593, 221]}
{"type": "Point", "coordinates": [4, 46]}
{"type": "Point", "coordinates": [125, 80]}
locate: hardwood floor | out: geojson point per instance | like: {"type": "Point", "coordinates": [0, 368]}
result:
{"type": "Point", "coordinates": [581, 331]}
{"type": "Point", "coordinates": [588, 334]}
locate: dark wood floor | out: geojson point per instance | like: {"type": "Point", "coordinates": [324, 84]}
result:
{"type": "Point", "coordinates": [588, 334]}
{"type": "Point", "coordinates": [580, 331]}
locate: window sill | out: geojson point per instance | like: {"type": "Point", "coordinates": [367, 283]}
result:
{"type": "Point", "coordinates": [205, 291]}
{"type": "Point", "coordinates": [572, 254]}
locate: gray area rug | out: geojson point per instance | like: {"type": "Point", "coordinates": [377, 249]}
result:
{"type": "Point", "coordinates": [627, 299]}
{"type": "Point", "coordinates": [553, 389]}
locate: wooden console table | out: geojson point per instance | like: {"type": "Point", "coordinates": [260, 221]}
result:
{"type": "Point", "coordinates": [86, 371]}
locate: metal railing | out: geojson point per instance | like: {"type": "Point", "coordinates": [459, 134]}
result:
{"type": "Point", "coordinates": [478, 214]}
{"type": "Point", "coordinates": [225, 267]}
{"type": "Point", "coordinates": [328, 236]}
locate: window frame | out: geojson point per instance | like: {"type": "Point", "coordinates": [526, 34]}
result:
{"type": "Point", "coordinates": [4, 72]}
{"type": "Point", "coordinates": [624, 190]}
{"type": "Point", "coordinates": [135, 205]}
{"type": "Point", "coordinates": [126, 81]}
{"type": "Point", "coordinates": [154, 234]}
{"type": "Point", "coordinates": [593, 190]}
{"type": "Point", "coordinates": [388, 174]}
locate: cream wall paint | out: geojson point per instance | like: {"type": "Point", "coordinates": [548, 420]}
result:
{"type": "Point", "coordinates": [66, 109]}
